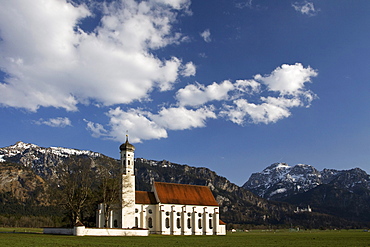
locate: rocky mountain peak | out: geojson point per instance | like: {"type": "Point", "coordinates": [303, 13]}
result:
{"type": "Point", "coordinates": [41, 159]}
{"type": "Point", "coordinates": [279, 181]}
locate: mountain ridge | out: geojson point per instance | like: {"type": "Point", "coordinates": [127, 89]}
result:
{"type": "Point", "coordinates": [237, 205]}
{"type": "Point", "coordinates": [343, 193]}
{"type": "Point", "coordinates": [280, 180]}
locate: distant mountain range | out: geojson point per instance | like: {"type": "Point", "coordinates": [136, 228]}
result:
{"type": "Point", "coordinates": [344, 193]}
{"type": "Point", "coordinates": [27, 169]}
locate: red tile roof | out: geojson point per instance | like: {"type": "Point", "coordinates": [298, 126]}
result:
{"type": "Point", "coordinates": [169, 193]}
{"type": "Point", "coordinates": [144, 197]}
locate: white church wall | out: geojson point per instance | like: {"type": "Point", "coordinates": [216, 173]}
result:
{"type": "Point", "coordinates": [145, 216]}
{"type": "Point", "coordinates": [187, 220]}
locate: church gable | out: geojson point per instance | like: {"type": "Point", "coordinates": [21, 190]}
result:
{"type": "Point", "coordinates": [169, 193]}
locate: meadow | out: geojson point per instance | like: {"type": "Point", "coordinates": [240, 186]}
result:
{"type": "Point", "coordinates": [34, 237]}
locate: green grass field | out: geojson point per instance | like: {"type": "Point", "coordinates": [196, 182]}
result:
{"type": "Point", "coordinates": [33, 237]}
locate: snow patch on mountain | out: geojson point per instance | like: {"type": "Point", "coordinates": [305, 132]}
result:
{"type": "Point", "coordinates": [42, 160]}
{"type": "Point", "coordinates": [22, 148]}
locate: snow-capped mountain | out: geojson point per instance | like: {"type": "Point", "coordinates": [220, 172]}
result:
{"type": "Point", "coordinates": [41, 160]}
{"type": "Point", "coordinates": [280, 180]}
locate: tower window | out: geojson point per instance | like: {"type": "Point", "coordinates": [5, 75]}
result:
{"type": "Point", "coordinates": [136, 221]}
{"type": "Point", "coordinates": [189, 223]}
{"type": "Point", "coordinates": [210, 224]}
{"type": "Point", "coordinates": [200, 224]}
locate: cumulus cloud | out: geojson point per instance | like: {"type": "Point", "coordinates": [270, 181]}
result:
{"type": "Point", "coordinates": [143, 125]}
{"type": "Point", "coordinates": [134, 121]}
{"type": "Point", "coordinates": [54, 122]}
{"type": "Point", "coordinates": [264, 99]}
{"type": "Point", "coordinates": [288, 81]}
{"type": "Point", "coordinates": [180, 118]}
{"type": "Point", "coordinates": [258, 113]}
{"type": "Point", "coordinates": [247, 86]}
{"type": "Point", "coordinates": [189, 69]}
{"type": "Point", "coordinates": [198, 94]}
{"type": "Point", "coordinates": [305, 7]}
{"type": "Point", "coordinates": [50, 61]}
{"type": "Point", "coordinates": [206, 35]}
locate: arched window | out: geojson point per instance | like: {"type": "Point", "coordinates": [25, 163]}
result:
{"type": "Point", "coordinates": [178, 222]}
{"type": "Point", "coordinates": [150, 222]}
{"type": "Point", "coordinates": [189, 223]}
{"type": "Point", "coordinates": [136, 222]}
{"type": "Point", "coordinates": [200, 223]}
{"type": "Point", "coordinates": [210, 224]}
{"type": "Point", "coordinates": [115, 223]}
{"type": "Point", "coordinates": [167, 222]}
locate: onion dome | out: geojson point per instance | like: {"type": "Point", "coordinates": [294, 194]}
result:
{"type": "Point", "coordinates": [127, 146]}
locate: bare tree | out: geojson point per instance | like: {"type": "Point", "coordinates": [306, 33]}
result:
{"type": "Point", "coordinates": [109, 189]}
{"type": "Point", "coordinates": [73, 189]}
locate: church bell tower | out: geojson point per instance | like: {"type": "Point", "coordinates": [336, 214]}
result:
{"type": "Point", "coordinates": [127, 195]}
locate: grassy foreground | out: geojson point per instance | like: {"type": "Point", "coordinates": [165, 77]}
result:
{"type": "Point", "coordinates": [33, 237]}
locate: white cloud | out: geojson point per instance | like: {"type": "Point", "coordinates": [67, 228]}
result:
{"type": "Point", "coordinates": [206, 35]}
{"type": "Point", "coordinates": [258, 113]}
{"type": "Point", "coordinates": [181, 118]}
{"type": "Point", "coordinates": [189, 69]}
{"type": "Point", "coordinates": [287, 79]}
{"type": "Point", "coordinates": [134, 121]}
{"type": "Point", "coordinates": [305, 7]}
{"type": "Point", "coordinates": [247, 86]}
{"type": "Point", "coordinates": [50, 61]}
{"type": "Point", "coordinates": [198, 94]}
{"type": "Point", "coordinates": [97, 130]}
{"type": "Point", "coordinates": [249, 100]}
{"type": "Point", "coordinates": [55, 122]}
{"type": "Point", "coordinates": [143, 125]}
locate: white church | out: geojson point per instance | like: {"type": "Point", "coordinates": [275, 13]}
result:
{"type": "Point", "coordinates": [169, 209]}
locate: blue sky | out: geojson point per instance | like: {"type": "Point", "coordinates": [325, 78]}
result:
{"type": "Point", "coordinates": [233, 86]}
